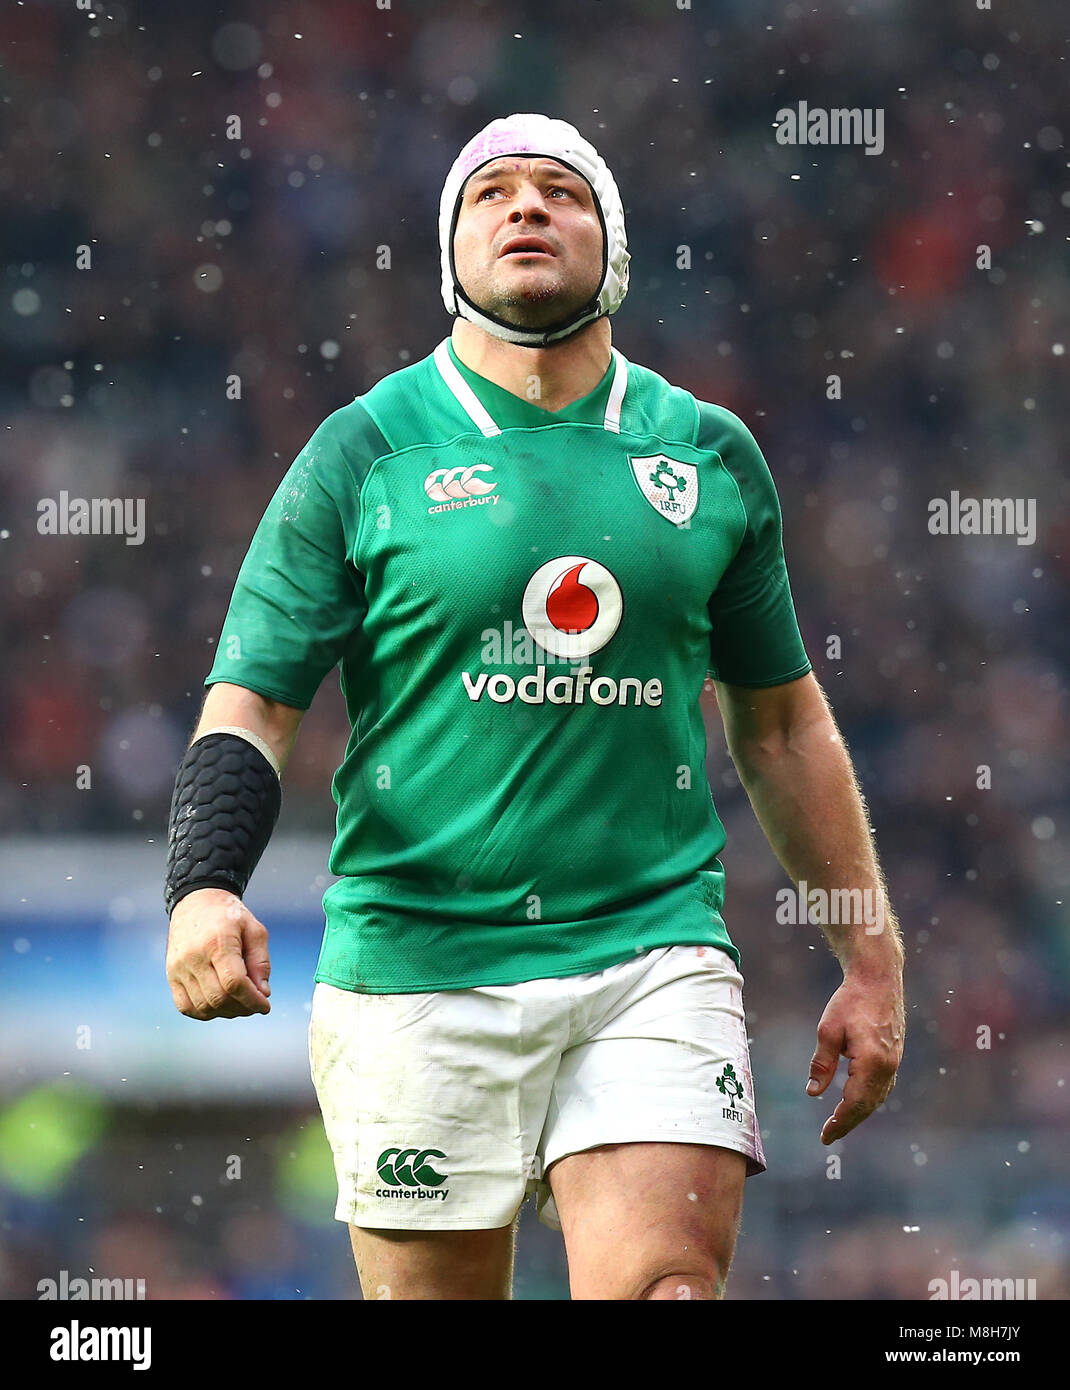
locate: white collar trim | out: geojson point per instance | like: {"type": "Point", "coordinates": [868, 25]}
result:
{"type": "Point", "coordinates": [484, 421]}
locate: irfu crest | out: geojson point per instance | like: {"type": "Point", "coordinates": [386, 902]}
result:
{"type": "Point", "coordinates": [669, 486]}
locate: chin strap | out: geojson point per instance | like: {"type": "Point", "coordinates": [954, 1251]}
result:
{"type": "Point", "coordinates": [526, 337]}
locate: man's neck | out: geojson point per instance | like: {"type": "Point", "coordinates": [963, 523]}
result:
{"type": "Point", "coordinates": [551, 377]}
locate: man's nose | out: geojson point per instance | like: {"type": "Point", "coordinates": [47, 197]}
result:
{"type": "Point", "coordinates": [530, 206]}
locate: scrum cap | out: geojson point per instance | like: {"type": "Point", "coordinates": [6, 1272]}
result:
{"type": "Point", "coordinates": [536, 135]}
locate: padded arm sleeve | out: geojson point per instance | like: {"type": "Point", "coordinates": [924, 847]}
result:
{"type": "Point", "coordinates": [226, 801]}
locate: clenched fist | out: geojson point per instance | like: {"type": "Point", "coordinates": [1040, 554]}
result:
{"type": "Point", "coordinates": [217, 957]}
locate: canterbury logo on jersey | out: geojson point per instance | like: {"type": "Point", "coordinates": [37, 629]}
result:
{"type": "Point", "coordinates": [572, 607]}
{"type": "Point", "coordinates": [459, 487]}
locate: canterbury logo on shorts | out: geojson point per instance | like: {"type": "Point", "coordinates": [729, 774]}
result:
{"type": "Point", "coordinates": [409, 1174]}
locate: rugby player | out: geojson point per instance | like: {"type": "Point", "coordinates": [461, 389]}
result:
{"type": "Point", "coordinates": [526, 554]}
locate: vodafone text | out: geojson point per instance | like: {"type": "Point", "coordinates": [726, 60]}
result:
{"type": "Point", "coordinates": [562, 690]}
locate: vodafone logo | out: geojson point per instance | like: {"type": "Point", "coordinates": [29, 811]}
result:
{"type": "Point", "coordinates": [572, 606]}
{"type": "Point", "coordinates": [459, 487]}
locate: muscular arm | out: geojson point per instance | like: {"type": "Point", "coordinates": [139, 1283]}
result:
{"type": "Point", "coordinates": [796, 770]}
{"type": "Point", "coordinates": [217, 953]}
{"type": "Point", "coordinates": [275, 723]}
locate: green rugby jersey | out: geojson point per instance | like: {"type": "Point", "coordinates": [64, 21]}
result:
{"type": "Point", "coordinates": [524, 605]}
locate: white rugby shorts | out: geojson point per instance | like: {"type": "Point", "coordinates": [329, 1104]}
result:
{"type": "Point", "coordinates": [445, 1110]}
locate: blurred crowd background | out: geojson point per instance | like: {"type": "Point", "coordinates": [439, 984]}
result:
{"type": "Point", "coordinates": [256, 257]}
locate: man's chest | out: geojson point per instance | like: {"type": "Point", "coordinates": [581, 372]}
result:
{"type": "Point", "coordinates": [576, 536]}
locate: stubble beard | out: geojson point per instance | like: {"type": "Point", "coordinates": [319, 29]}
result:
{"type": "Point", "coordinates": [533, 306]}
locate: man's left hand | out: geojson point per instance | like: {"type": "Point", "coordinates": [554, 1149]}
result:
{"type": "Point", "coordinates": [865, 1022]}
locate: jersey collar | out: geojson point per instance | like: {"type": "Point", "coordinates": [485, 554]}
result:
{"type": "Point", "coordinates": [491, 408]}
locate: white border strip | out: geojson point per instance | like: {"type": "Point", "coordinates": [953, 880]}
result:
{"type": "Point", "coordinates": [468, 399]}
{"type": "Point", "coordinates": [616, 393]}
{"type": "Point", "coordinates": [478, 414]}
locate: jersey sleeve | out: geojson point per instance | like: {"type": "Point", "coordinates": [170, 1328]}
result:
{"type": "Point", "coordinates": [298, 596]}
{"type": "Point", "coordinates": [754, 637]}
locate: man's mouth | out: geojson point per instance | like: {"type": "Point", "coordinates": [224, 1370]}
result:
{"type": "Point", "coordinates": [525, 246]}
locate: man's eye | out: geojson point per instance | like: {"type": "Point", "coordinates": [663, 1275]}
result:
{"type": "Point", "coordinates": [554, 188]}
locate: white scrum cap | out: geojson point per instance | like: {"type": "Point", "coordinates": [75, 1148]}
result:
{"type": "Point", "coordinates": [536, 135]}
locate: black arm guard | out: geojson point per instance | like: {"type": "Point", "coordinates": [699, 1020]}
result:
{"type": "Point", "coordinates": [226, 802]}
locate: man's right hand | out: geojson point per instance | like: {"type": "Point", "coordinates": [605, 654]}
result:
{"type": "Point", "coordinates": [217, 957]}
